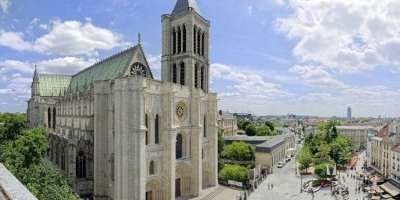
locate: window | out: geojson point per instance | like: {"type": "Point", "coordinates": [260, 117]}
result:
{"type": "Point", "coordinates": [202, 73]}
{"type": "Point", "coordinates": [179, 39]}
{"type": "Point", "coordinates": [151, 168]}
{"type": "Point", "coordinates": [157, 130]}
{"type": "Point", "coordinates": [81, 165]}
{"type": "Point", "coordinates": [62, 158]}
{"type": "Point", "coordinates": [184, 38]}
{"type": "Point", "coordinates": [202, 44]}
{"type": "Point", "coordinates": [174, 42]}
{"type": "Point", "coordinates": [112, 166]}
{"type": "Point", "coordinates": [196, 74]}
{"type": "Point", "coordinates": [198, 41]}
{"type": "Point", "coordinates": [194, 39]}
{"type": "Point", "coordinates": [174, 74]}
{"type": "Point", "coordinates": [54, 117]}
{"type": "Point", "coordinates": [146, 123]}
{"type": "Point", "coordinates": [49, 118]}
{"type": "Point", "coordinates": [179, 143]}
{"type": "Point", "coordinates": [205, 126]}
{"type": "Point", "coordinates": [182, 74]}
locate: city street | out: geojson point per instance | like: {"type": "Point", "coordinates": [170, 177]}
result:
{"type": "Point", "coordinates": [286, 186]}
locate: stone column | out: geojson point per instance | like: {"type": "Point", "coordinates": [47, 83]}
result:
{"type": "Point", "coordinates": [212, 139]}
{"type": "Point", "coordinates": [197, 164]}
{"type": "Point", "coordinates": [170, 168]}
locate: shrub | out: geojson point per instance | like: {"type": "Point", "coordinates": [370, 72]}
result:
{"type": "Point", "coordinates": [235, 173]}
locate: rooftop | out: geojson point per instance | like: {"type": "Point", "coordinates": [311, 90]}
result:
{"type": "Point", "coordinates": [183, 5]}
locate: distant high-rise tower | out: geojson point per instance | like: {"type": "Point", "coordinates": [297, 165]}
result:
{"type": "Point", "coordinates": [349, 113]}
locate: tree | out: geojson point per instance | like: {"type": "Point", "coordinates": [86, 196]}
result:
{"type": "Point", "coordinates": [11, 126]}
{"type": "Point", "coordinates": [239, 151]}
{"type": "Point", "coordinates": [270, 125]}
{"type": "Point", "coordinates": [305, 158]}
{"type": "Point", "coordinates": [264, 131]}
{"type": "Point", "coordinates": [235, 173]}
{"type": "Point", "coordinates": [341, 150]}
{"type": "Point", "coordinates": [242, 124]}
{"type": "Point", "coordinates": [321, 170]}
{"type": "Point", "coordinates": [251, 130]}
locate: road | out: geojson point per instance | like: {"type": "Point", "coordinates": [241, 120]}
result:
{"type": "Point", "coordinates": [286, 186]}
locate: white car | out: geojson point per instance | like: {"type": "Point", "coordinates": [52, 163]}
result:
{"type": "Point", "coordinates": [280, 165]}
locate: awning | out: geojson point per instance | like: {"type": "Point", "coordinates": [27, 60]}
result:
{"type": "Point", "coordinates": [391, 189]}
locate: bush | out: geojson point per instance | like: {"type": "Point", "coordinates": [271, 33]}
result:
{"type": "Point", "coordinates": [251, 130]}
{"type": "Point", "coordinates": [235, 173]}
{"type": "Point", "coordinates": [320, 170]}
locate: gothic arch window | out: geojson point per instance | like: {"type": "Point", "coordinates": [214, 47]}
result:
{"type": "Point", "coordinates": [81, 165]}
{"type": "Point", "coordinates": [49, 117]}
{"type": "Point", "coordinates": [174, 73]}
{"type": "Point", "coordinates": [198, 41]}
{"type": "Point", "coordinates": [182, 73]}
{"type": "Point", "coordinates": [194, 39]}
{"type": "Point", "coordinates": [174, 41]}
{"type": "Point", "coordinates": [112, 168]}
{"type": "Point", "coordinates": [202, 76]}
{"type": "Point", "coordinates": [184, 38]}
{"type": "Point", "coordinates": [157, 130]}
{"type": "Point", "coordinates": [202, 44]}
{"type": "Point", "coordinates": [196, 75]}
{"type": "Point", "coordinates": [54, 117]}
{"type": "Point", "coordinates": [151, 168]}
{"type": "Point", "coordinates": [146, 123]}
{"type": "Point", "coordinates": [179, 146]}
{"type": "Point", "coordinates": [205, 126]}
{"type": "Point", "coordinates": [179, 40]}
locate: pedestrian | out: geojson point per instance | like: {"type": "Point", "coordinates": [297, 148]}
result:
{"type": "Point", "coordinates": [272, 186]}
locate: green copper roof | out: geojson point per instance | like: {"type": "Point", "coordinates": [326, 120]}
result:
{"type": "Point", "coordinates": [108, 69]}
{"type": "Point", "coordinates": [53, 84]}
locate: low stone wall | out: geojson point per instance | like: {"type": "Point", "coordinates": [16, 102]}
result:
{"type": "Point", "coordinates": [11, 188]}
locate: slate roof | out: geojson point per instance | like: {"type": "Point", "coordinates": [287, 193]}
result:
{"type": "Point", "coordinates": [183, 5]}
{"type": "Point", "coordinates": [53, 84]}
{"type": "Point", "coordinates": [107, 69]}
{"type": "Point", "coordinates": [270, 145]}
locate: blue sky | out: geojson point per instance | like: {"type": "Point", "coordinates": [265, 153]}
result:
{"type": "Point", "coordinates": [267, 57]}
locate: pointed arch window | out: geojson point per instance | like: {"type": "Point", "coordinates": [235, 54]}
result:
{"type": "Point", "coordinates": [174, 41]}
{"type": "Point", "coordinates": [205, 126]}
{"type": "Point", "coordinates": [157, 130]}
{"type": "Point", "coordinates": [182, 73]}
{"type": "Point", "coordinates": [194, 39]}
{"type": "Point", "coordinates": [81, 165]}
{"type": "Point", "coordinates": [174, 73]}
{"type": "Point", "coordinates": [196, 75]}
{"type": "Point", "coordinates": [151, 168]}
{"type": "Point", "coordinates": [146, 123]}
{"type": "Point", "coordinates": [202, 76]}
{"type": "Point", "coordinates": [198, 41]}
{"type": "Point", "coordinates": [184, 38]}
{"type": "Point", "coordinates": [54, 117]}
{"type": "Point", "coordinates": [179, 40]}
{"type": "Point", "coordinates": [63, 158]}
{"type": "Point", "coordinates": [202, 44]}
{"type": "Point", "coordinates": [179, 146]}
{"type": "Point", "coordinates": [49, 118]}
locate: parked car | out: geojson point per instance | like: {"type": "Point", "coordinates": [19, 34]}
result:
{"type": "Point", "coordinates": [280, 165]}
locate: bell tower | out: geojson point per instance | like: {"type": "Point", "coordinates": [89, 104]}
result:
{"type": "Point", "coordinates": [185, 46]}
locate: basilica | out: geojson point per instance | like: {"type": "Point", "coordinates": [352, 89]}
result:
{"type": "Point", "coordinates": [118, 133]}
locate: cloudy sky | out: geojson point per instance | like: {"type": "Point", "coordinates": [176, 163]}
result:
{"type": "Point", "coordinates": [268, 56]}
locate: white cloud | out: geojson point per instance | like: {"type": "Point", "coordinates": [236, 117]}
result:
{"type": "Point", "coordinates": [344, 35]}
{"type": "Point", "coordinates": [67, 38]}
{"type": "Point", "coordinates": [76, 38]}
{"type": "Point", "coordinates": [246, 84]}
{"type": "Point", "coordinates": [14, 40]}
{"type": "Point", "coordinates": [316, 76]}
{"type": "Point", "coordinates": [64, 65]}
{"type": "Point", "coordinates": [4, 5]}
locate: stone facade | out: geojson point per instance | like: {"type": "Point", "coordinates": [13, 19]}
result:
{"type": "Point", "coordinates": [358, 134]}
{"type": "Point", "coordinates": [120, 134]}
{"type": "Point", "coordinates": [228, 123]}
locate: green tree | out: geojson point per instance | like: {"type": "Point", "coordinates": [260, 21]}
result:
{"type": "Point", "coordinates": [264, 131]}
{"type": "Point", "coordinates": [270, 125]}
{"type": "Point", "coordinates": [11, 126]}
{"type": "Point", "coordinates": [239, 151]}
{"type": "Point", "coordinates": [242, 124]}
{"type": "Point", "coordinates": [321, 170]}
{"type": "Point", "coordinates": [341, 150]}
{"type": "Point", "coordinates": [305, 158]}
{"type": "Point", "coordinates": [235, 173]}
{"type": "Point", "coordinates": [251, 130]}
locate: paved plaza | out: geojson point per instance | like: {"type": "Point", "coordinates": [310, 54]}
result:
{"type": "Point", "coordinates": [286, 186]}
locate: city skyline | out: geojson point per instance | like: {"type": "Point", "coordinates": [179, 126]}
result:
{"type": "Point", "coordinates": [293, 56]}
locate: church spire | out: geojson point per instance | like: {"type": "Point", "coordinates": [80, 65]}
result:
{"type": "Point", "coordinates": [139, 39]}
{"type": "Point", "coordinates": [184, 5]}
